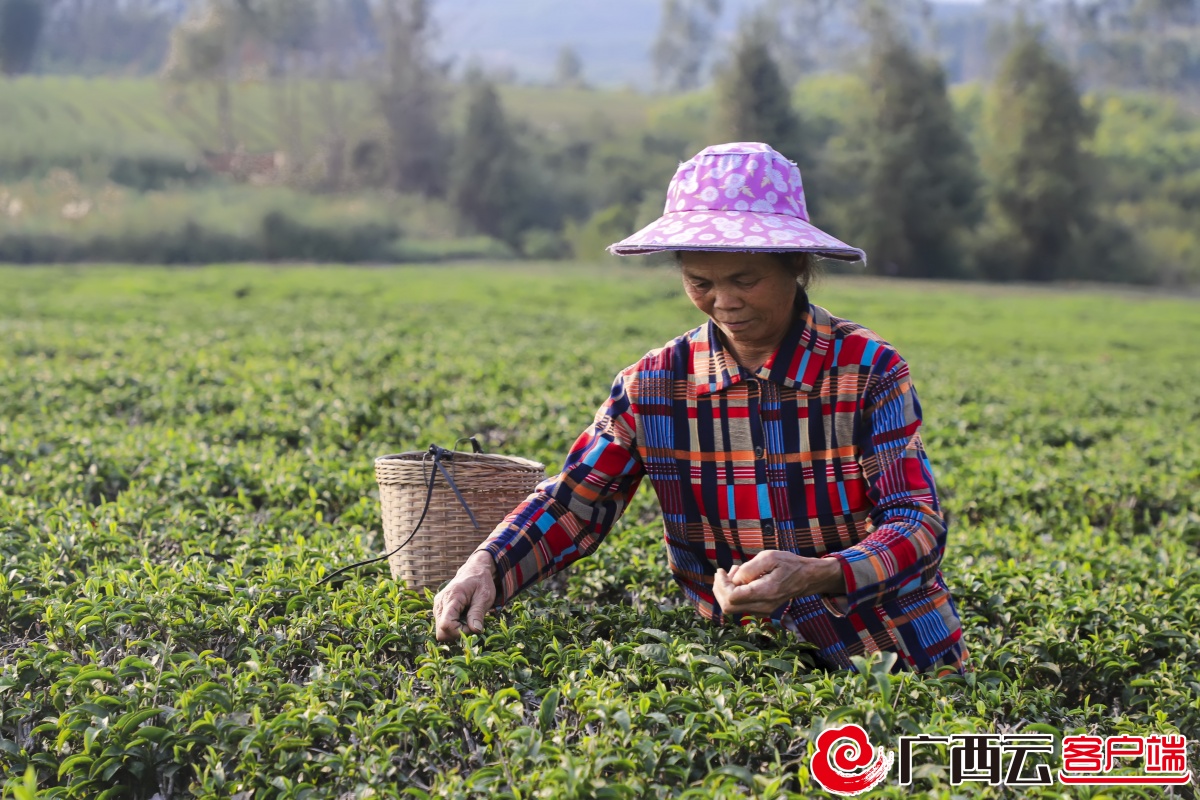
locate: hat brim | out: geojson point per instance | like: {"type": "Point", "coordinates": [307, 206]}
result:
{"type": "Point", "coordinates": [735, 232]}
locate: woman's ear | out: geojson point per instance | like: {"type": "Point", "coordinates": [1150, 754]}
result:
{"type": "Point", "coordinates": [804, 267]}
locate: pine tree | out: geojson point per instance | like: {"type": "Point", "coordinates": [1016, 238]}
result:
{"type": "Point", "coordinates": [753, 102]}
{"type": "Point", "coordinates": [487, 184]}
{"type": "Point", "coordinates": [920, 196]}
{"type": "Point", "coordinates": [1040, 175]}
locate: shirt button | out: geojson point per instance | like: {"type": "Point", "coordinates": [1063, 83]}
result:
{"type": "Point", "coordinates": [768, 527]}
{"type": "Point", "coordinates": [759, 452]}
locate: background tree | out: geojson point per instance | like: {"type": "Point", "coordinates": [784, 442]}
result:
{"type": "Point", "coordinates": [1133, 44]}
{"type": "Point", "coordinates": [1140, 43]}
{"type": "Point", "coordinates": [568, 70]}
{"type": "Point", "coordinates": [753, 103]}
{"type": "Point", "coordinates": [101, 36]}
{"type": "Point", "coordinates": [794, 27]}
{"type": "Point", "coordinates": [808, 36]}
{"type": "Point", "coordinates": [202, 50]}
{"type": "Point", "coordinates": [1041, 178]}
{"type": "Point", "coordinates": [410, 95]}
{"type": "Point", "coordinates": [920, 196]}
{"type": "Point", "coordinates": [21, 23]}
{"type": "Point", "coordinates": [488, 182]}
{"type": "Point", "coordinates": [685, 36]}
{"type": "Point", "coordinates": [230, 39]}
{"type": "Point", "coordinates": [345, 40]}
{"type": "Point", "coordinates": [285, 31]}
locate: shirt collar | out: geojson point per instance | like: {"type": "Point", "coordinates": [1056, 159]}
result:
{"type": "Point", "coordinates": [796, 363]}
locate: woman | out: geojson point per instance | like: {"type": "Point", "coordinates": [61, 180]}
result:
{"type": "Point", "coordinates": [783, 444]}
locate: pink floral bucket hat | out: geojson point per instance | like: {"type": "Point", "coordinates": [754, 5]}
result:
{"type": "Point", "coordinates": [742, 196]}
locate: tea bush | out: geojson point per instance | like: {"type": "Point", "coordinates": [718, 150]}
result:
{"type": "Point", "coordinates": [184, 454]}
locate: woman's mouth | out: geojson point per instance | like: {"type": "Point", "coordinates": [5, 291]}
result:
{"type": "Point", "coordinates": [736, 326]}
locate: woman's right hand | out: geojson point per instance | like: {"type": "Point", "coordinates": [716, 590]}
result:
{"type": "Point", "coordinates": [471, 593]}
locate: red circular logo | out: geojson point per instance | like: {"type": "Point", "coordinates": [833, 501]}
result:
{"type": "Point", "coordinates": [845, 763]}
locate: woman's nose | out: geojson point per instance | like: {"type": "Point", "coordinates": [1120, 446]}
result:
{"type": "Point", "coordinates": [727, 300]}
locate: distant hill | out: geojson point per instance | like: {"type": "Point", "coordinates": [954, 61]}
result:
{"type": "Point", "coordinates": [614, 37]}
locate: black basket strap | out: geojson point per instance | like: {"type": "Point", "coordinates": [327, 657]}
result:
{"type": "Point", "coordinates": [439, 454]}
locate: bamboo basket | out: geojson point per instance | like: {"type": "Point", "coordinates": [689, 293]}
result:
{"type": "Point", "coordinates": [492, 485]}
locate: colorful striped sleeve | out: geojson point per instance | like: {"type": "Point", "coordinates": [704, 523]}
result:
{"type": "Point", "coordinates": [568, 515]}
{"type": "Point", "coordinates": [908, 537]}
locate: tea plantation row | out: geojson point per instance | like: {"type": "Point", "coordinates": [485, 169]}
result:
{"type": "Point", "coordinates": [184, 454]}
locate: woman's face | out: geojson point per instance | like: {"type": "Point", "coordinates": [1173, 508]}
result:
{"type": "Point", "coordinates": [748, 295]}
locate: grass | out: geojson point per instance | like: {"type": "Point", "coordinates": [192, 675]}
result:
{"type": "Point", "coordinates": [184, 453]}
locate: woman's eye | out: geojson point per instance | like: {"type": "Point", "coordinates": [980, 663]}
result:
{"type": "Point", "coordinates": [746, 284]}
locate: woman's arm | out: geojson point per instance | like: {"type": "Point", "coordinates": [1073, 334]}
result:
{"type": "Point", "coordinates": [905, 547]}
{"type": "Point", "coordinates": [568, 515]}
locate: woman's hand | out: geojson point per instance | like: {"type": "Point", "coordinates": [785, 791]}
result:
{"type": "Point", "coordinates": [473, 591]}
{"type": "Point", "coordinates": [772, 578]}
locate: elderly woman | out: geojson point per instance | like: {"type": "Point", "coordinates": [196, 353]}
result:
{"type": "Point", "coordinates": [783, 444]}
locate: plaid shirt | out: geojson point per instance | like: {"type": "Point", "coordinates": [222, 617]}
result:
{"type": "Point", "coordinates": [817, 452]}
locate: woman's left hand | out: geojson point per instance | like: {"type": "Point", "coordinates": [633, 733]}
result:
{"type": "Point", "coordinates": [772, 578]}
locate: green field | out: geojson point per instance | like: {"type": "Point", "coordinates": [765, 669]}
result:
{"type": "Point", "coordinates": [184, 453]}
{"type": "Point", "coordinates": [76, 119]}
